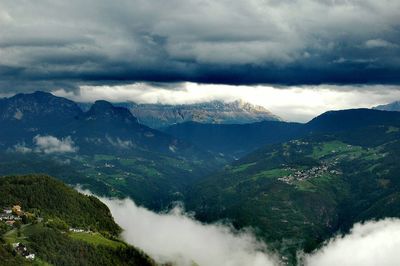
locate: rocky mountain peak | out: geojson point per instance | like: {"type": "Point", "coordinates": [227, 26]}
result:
{"type": "Point", "coordinates": [105, 110]}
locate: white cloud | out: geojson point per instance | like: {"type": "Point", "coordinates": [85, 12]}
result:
{"type": "Point", "coordinates": [292, 103]}
{"type": "Point", "coordinates": [374, 243]}
{"type": "Point", "coordinates": [379, 43]}
{"type": "Point", "coordinates": [22, 148]}
{"type": "Point", "coordinates": [176, 237]}
{"type": "Point", "coordinates": [51, 144]}
{"type": "Point", "coordinates": [119, 143]}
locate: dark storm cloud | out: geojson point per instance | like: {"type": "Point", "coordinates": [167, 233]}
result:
{"type": "Point", "coordinates": [51, 43]}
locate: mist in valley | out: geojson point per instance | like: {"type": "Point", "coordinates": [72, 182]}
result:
{"type": "Point", "coordinates": [176, 237]}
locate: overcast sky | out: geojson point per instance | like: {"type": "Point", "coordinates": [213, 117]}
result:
{"type": "Point", "coordinates": [53, 44]}
{"type": "Point", "coordinates": [217, 41]}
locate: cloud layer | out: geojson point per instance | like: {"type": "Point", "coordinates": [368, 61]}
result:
{"type": "Point", "coordinates": [375, 243]}
{"type": "Point", "coordinates": [238, 42]}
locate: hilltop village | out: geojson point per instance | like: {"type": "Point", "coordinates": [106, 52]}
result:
{"type": "Point", "coordinates": [302, 175]}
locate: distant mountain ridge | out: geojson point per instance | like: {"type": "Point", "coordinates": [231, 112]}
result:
{"type": "Point", "coordinates": [234, 141]}
{"type": "Point", "coordinates": [238, 140]}
{"type": "Point", "coordinates": [351, 119]}
{"type": "Point", "coordinates": [393, 106]}
{"type": "Point", "coordinates": [213, 112]}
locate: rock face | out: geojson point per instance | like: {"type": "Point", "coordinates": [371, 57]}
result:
{"type": "Point", "coordinates": [394, 106]}
{"type": "Point", "coordinates": [214, 112]}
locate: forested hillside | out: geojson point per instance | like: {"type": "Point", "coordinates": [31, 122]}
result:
{"type": "Point", "coordinates": [59, 226]}
{"type": "Point", "coordinates": [299, 193]}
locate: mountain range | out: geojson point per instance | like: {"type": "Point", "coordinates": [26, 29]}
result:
{"type": "Point", "coordinates": [27, 115]}
{"type": "Point", "coordinates": [235, 141]}
{"type": "Point", "coordinates": [296, 184]}
{"type": "Point", "coordinates": [105, 145]}
{"type": "Point", "coordinates": [214, 112]}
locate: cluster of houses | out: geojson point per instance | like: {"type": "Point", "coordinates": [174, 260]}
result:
{"type": "Point", "coordinates": [301, 175]}
{"type": "Point", "coordinates": [109, 165]}
{"type": "Point", "coordinates": [298, 142]}
{"type": "Point", "coordinates": [23, 251]}
{"type": "Point", "coordinates": [79, 230]}
{"type": "Point", "coordinates": [11, 215]}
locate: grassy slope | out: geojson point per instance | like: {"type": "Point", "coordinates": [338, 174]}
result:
{"type": "Point", "coordinates": [96, 239]}
{"type": "Point", "coordinates": [152, 180]}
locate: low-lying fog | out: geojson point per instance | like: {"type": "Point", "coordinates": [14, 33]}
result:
{"type": "Point", "coordinates": [177, 237]}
